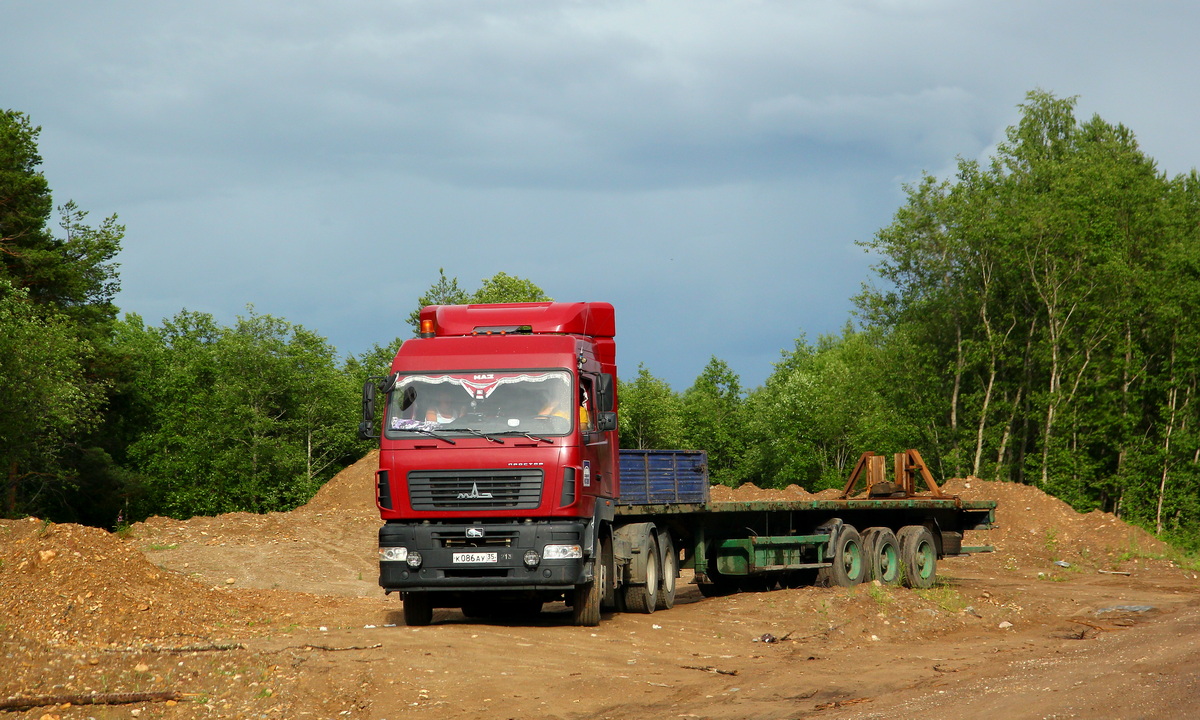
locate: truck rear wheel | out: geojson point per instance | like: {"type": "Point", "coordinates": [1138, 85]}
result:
{"type": "Point", "coordinates": [608, 596]}
{"type": "Point", "coordinates": [918, 554]}
{"type": "Point", "coordinates": [418, 609]}
{"type": "Point", "coordinates": [643, 598]}
{"type": "Point", "coordinates": [848, 567]}
{"type": "Point", "coordinates": [882, 551]}
{"type": "Point", "coordinates": [670, 571]}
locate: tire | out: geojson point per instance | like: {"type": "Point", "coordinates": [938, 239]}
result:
{"type": "Point", "coordinates": [670, 572]}
{"type": "Point", "coordinates": [586, 600]}
{"type": "Point", "coordinates": [643, 598]}
{"type": "Point", "coordinates": [882, 551]}
{"type": "Point", "coordinates": [848, 567]}
{"type": "Point", "coordinates": [608, 595]}
{"type": "Point", "coordinates": [418, 609]}
{"type": "Point", "coordinates": [918, 556]}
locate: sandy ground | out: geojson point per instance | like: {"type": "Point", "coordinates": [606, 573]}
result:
{"type": "Point", "coordinates": [279, 616]}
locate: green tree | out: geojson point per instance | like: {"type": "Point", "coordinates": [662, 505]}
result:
{"type": "Point", "coordinates": [75, 274]}
{"type": "Point", "coordinates": [69, 282]}
{"type": "Point", "coordinates": [443, 292]}
{"type": "Point", "coordinates": [1038, 308]}
{"type": "Point", "coordinates": [504, 288]}
{"type": "Point", "coordinates": [45, 400]}
{"type": "Point", "coordinates": [500, 288]}
{"type": "Point", "coordinates": [651, 414]}
{"type": "Point", "coordinates": [252, 417]}
{"type": "Point", "coordinates": [713, 420]}
{"type": "Point", "coordinates": [818, 411]}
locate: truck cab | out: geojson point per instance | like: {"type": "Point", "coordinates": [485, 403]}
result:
{"type": "Point", "coordinates": [497, 465]}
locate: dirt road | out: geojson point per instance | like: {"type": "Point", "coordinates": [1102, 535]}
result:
{"type": "Point", "coordinates": [278, 616]}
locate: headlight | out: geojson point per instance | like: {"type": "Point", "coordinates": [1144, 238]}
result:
{"type": "Point", "coordinates": [563, 552]}
{"type": "Point", "coordinates": [532, 558]}
{"type": "Point", "coordinates": [414, 559]}
{"type": "Point", "coordinates": [393, 554]}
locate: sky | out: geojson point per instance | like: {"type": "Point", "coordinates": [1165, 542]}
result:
{"type": "Point", "coordinates": [707, 167]}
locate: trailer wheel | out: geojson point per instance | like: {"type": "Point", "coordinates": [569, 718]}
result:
{"type": "Point", "coordinates": [918, 555]}
{"type": "Point", "coordinates": [848, 567]}
{"type": "Point", "coordinates": [418, 609]}
{"type": "Point", "coordinates": [643, 598]}
{"type": "Point", "coordinates": [670, 571]}
{"type": "Point", "coordinates": [586, 600]}
{"type": "Point", "coordinates": [882, 551]}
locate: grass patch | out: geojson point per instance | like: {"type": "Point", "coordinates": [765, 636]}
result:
{"type": "Point", "coordinates": [1187, 560]}
{"type": "Point", "coordinates": [944, 596]}
{"type": "Point", "coordinates": [1050, 543]}
{"type": "Point", "coordinates": [1135, 552]}
{"type": "Point", "coordinates": [879, 593]}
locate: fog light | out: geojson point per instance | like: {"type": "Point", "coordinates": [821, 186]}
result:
{"type": "Point", "coordinates": [532, 558]}
{"type": "Point", "coordinates": [563, 552]}
{"type": "Point", "coordinates": [414, 559]}
{"type": "Point", "coordinates": [393, 554]}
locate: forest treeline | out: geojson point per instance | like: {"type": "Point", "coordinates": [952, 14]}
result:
{"type": "Point", "coordinates": [1033, 319]}
{"type": "Point", "coordinates": [1030, 319]}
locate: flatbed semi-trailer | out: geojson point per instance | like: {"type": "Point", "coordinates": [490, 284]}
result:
{"type": "Point", "coordinates": [501, 486]}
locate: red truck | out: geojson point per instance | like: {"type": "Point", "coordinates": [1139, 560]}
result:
{"type": "Point", "coordinates": [501, 486]}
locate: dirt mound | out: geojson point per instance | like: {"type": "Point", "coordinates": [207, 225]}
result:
{"type": "Point", "coordinates": [70, 584]}
{"type": "Point", "coordinates": [1033, 525]}
{"type": "Point", "coordinates": [749, 492]}
{"type": "Point", "coordinates": [86, 611]}
{"type": "Point", "coordinates": [352, 490]}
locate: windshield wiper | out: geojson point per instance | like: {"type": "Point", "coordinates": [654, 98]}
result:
{"type": "Point", "coordinates": [482, 434]}
{"type": "Point", "coordinates": [430, 433]}
{"type": "Point", "coordinates": [522, 433]}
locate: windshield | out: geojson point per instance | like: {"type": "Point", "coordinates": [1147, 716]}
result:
{"type": "Point", "coordinates": [523, 401]}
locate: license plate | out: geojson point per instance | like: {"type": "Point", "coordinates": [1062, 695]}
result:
{"type": "Point", "coordinates": [481, 557]}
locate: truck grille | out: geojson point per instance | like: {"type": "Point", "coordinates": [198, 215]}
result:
{"type": "Point", "coordinates": [475, 489]}
{"type": "Point", "coordinates": [504, 539]}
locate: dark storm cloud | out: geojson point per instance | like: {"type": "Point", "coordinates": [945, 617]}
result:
{"type": "Point", "coordinates": [707, 166]}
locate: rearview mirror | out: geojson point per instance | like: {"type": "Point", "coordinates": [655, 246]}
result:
{"type": "Point", "coordinates": [606, 421]}
{"type": "Point", "coordinates": [606, 397]}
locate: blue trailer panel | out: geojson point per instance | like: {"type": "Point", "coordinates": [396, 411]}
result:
{"type": "Point", "coordinates": [654, 477]}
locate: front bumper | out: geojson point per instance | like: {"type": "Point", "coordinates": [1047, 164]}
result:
{"type": "Point", "coordinates": [438, 543]}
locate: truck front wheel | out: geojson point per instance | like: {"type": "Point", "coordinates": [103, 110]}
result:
{"type": "Point", "coordinates": [586, 599]}
{"type": "Point", "coordinates": [418, 609]}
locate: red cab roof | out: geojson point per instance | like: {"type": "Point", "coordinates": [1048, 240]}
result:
{"type": "Point", "coordinates": [594, 319]}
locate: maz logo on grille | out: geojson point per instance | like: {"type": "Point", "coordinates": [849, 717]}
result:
{"type": "Point", "coordinates": [475, 494]}
{"type": "Point", "coordinates": [473, 490]}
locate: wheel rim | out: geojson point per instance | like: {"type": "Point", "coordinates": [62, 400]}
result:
{"type": "Point", "coordinates": [669, 572]}
{"type": "Point", "coordinates": [652, 571]}
{"type": "Point", "coordinates": [889, 563]}
{"type": "Point", "coordinates": [925, 560]}
{"type": "Point", "coordinates": [852, 560]}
